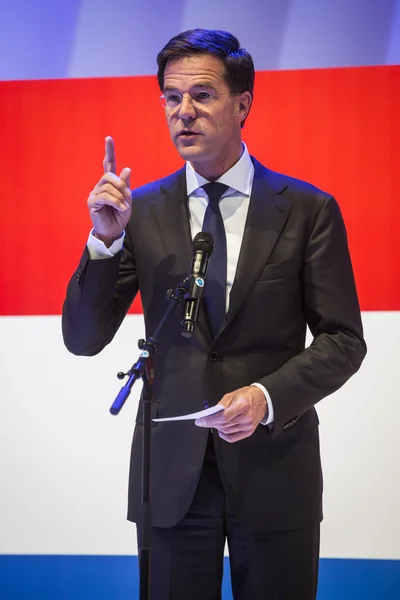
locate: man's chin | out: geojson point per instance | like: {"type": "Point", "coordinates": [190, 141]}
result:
{"type": "Point", "coordinates": [190, 152]}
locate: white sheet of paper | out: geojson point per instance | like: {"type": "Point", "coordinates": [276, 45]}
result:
{"type": "Point", "coordinates": [197, 415]}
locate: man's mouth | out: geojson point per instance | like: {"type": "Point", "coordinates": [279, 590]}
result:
{"type": "Point", "coordinates": [187, 134]}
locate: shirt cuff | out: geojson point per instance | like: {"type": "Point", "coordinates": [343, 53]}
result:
{"type": "Point", "coordinates": [270, 418]}
{"type": "Point", "coordinates": [98, 250]}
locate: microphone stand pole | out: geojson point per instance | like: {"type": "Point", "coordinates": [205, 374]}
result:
{"type": "Point", "coordinates": [138, 370]}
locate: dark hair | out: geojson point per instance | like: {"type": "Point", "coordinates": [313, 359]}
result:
{"type": "Point", "coordinates": [238, 63]}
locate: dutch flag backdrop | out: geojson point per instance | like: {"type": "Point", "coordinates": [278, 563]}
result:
{"type": "Point", "coordinates": [327, 110]}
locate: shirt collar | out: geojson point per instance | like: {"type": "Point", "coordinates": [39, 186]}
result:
{"type": "Point", "coordinates": [239, 177]}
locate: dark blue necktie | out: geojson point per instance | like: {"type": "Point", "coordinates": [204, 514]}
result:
{"type": "Point", "coordinates": [215, 287]}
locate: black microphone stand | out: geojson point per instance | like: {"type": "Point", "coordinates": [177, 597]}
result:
{"type": "Point", "coordinates": [186, 290]}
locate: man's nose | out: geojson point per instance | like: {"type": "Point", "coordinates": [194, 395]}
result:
{"type": "Point", "coordinates": [186, 108]}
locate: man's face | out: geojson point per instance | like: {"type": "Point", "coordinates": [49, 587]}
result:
{"type": "Point", "coordinates": [205, 126]}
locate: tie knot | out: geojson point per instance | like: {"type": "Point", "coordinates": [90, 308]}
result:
{"type": "Point", "coordinates": [215, 190]}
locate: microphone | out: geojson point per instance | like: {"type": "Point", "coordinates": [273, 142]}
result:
{"type": "Point", "coordinates": [202, 248]}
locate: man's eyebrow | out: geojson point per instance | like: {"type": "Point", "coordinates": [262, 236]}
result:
{"type": "Point", "coordinates": [197, 86]}
{"type": "Point", "coordinates": [203, 84]}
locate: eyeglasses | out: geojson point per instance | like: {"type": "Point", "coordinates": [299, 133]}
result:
{"type": "Point", "coordinates": [173, 100]}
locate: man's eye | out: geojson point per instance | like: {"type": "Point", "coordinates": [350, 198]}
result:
{"type": "Point", "coordinates": [173, 99]}
{"type": "Point", "coordinates": [202, 96]}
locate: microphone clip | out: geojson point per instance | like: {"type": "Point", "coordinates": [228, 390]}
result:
{"type": "Point", "coordinates": [195, 287]}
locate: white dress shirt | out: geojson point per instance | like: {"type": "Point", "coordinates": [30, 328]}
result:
{"type": "Point", "coordinates": [234, 205]}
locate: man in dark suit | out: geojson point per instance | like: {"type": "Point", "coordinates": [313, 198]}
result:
{"type": "Point", "coordinates": [251, 474]}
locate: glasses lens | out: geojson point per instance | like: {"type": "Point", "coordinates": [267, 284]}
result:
{"type": "Point", "coordinates": [173, 100]}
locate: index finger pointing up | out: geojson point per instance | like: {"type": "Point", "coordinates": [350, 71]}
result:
{"type": "Point", "coordinates": [109, 157]}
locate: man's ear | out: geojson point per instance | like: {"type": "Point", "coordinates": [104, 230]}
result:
{"type": "Point", "coordinates": [244, 103]}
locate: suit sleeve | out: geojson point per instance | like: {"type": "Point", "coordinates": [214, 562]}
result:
{"type": "Point", "coordinates": [98, 297]}
{"type": "Point", "coordinates": [331, 309]}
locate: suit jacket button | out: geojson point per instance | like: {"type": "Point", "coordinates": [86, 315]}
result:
{"type": "Point", "coordinates": [213, 356]}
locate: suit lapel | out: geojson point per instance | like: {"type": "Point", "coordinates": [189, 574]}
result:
{"type": "Point", "coordinates": [267, 215]}
{"type": "Point", "coordinates": [171, 212]}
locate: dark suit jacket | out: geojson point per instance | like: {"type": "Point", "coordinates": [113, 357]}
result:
{"type": "Point", "coordinates": [294, 269]}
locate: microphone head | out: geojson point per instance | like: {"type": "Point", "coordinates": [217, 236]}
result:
{"type": "Point", "coordinates": [203, 242]}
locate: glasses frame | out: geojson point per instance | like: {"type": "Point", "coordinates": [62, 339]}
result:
{"type": "Point", "coordinates": [162, 99]}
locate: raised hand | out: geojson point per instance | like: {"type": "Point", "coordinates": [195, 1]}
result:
{"type": "Point", "coordinates": [110, 202]}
